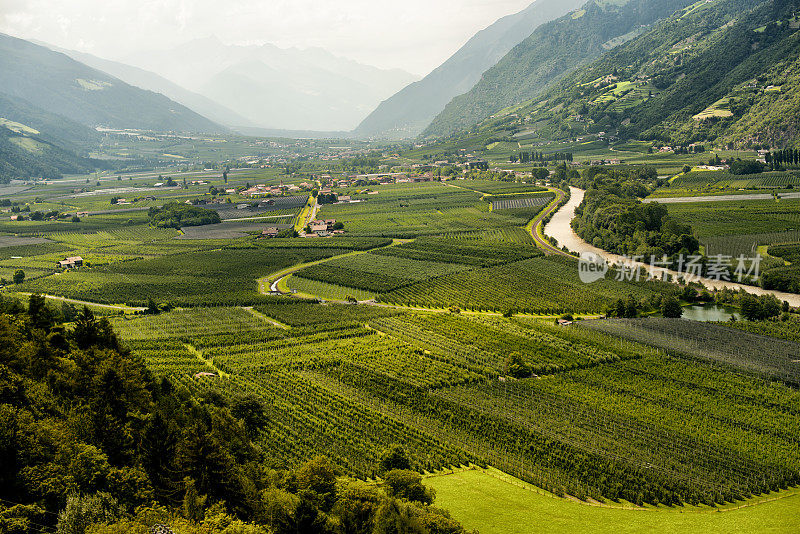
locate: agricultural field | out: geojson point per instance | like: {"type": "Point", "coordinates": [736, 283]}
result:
{"type": "Point", "coordinates": [390, 268]}
{"type": "Point", "coordinates": [547, 285]}
{"type": "Point", "coordinates": [216, 277]}
{"type": "Point", "coordinates": [184, 323]}
{"type": "Point", "coordinates": [788, 330]}
{"type": "Point", "coordinates": [625, 95]}
{"type": "Point", "coordinates": [524, 202]}
{"type": "Point", "coordinates": [485, 344]}
{"type": "Point", "coordinates": [413, 210]}
{"type": "Point", "coordinates": [496, 188]}
{"type": "Point", "coordinates": [306, 313]}
{"type": "Point", "coordinates": [648, 413]}
{"type": "Point", "coordinates": [751, 353]}
{"type": "Point", "coordinates": [616, 418]}
{"type": "Point", "coordinates": [376, 273]}
{"type": "Point", "coordinates": [314, 289]}
{"type": "Point", "coordinates": [492, 501]}
{"type": "Point", "coordinates": [779, 219]}
{"type": "Point", "coordinates": [716, 182]}
{"type": "Point", "coordinates": [747, 228]}
{"type": "Point", "coordinates": [610, 434]}
{"type": "Point", "coordinates": [235, 229]}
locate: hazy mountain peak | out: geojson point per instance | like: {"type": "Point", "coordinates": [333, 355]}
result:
{"type": "Point", "coordinates": [275, 87]}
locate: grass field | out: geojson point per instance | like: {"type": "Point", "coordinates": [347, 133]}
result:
{"type": "Point", "coordinates": [503, 505]}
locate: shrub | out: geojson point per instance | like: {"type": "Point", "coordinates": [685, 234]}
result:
{"type": "Point", "coordinates": [405, 484]}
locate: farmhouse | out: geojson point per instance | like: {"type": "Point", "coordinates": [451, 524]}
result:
{"type": "Point", "coordinates": [322, 228]}
{"type": "Point", "coordinates": [70, 263]}
{"type": "Point", "coordinates": [270, 232]}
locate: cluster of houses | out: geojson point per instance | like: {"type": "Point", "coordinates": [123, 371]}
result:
{"type": "Point", "coordinates": [380, 179]}
{"type": "Point", "coordinates": [358, 179]}
{"type": "Point", "coordinates": [262, 190]}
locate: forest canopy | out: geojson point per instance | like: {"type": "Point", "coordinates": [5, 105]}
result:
{"type": "Point", "coordinates": [177, 215]}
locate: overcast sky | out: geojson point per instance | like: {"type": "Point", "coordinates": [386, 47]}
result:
{"type": "Point", "coordinates": [415, 35]}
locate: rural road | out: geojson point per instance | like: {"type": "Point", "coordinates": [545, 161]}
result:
{"type": "Point", "coordinates": [560, 228]}
{"type": "Point", "coordinates": [534, 227]}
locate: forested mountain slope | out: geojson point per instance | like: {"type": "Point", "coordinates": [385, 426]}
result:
{"type": "Point", "coordinates": [57, 84]}
{"type": "Point", "coordinates": [25, 155]}
{"type": "Point", "coordinates": [91, 441]}
{"type": "Point", "coordinates": [722, 71]}
{"type": "Point", "coordinates": [409, 112]}
{"type": "Point", "coordinates": [553, 50]}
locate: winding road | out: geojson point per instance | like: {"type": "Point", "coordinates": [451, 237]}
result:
{"type": "Point", "coordinates": [560, 228]}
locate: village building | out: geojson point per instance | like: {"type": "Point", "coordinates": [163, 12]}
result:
{"type": "Point", "coordinates": [70, 263]}
{"type": "Point", "coordinates": [272, 231]}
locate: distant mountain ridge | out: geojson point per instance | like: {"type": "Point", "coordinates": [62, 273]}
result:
{"type": "Point", "coordinates": [277, 88]}
{"type": "Point", "coordinates": [407, 113]}
{"type": "Point", "coordinates": [550, 52]}
{"type": "Point", "coordinates": [58, 84]}
{"type": "Point", "coordinates": [158, 84]}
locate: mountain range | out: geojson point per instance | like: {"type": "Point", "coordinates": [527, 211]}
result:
{"type": "Point", "coordinates": [671, 71]}
{"type": "Point", "coordinates": [276, 88]}
{"type": "Point", "coordinates": [407, 113]}
{"type": "Point", "coordinates": [158, 84]}
{"type": "Point", "coordinates": [550, 52]}
{"type": "Point", "coordinates": [56, 83]}
{"type": "Point", "coordinates": [726, 71]}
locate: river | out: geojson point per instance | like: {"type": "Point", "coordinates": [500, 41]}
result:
{"type": "Point", "coordinates": [559, 228]}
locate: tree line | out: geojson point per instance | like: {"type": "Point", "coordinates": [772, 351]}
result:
{"type": "Point", "coordinates": [782, 158]}
{"type": "Point", "coordinates": [540, 157]}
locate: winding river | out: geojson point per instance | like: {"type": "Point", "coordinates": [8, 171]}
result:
{"type": "Point", "coordinates": [559, 227]}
